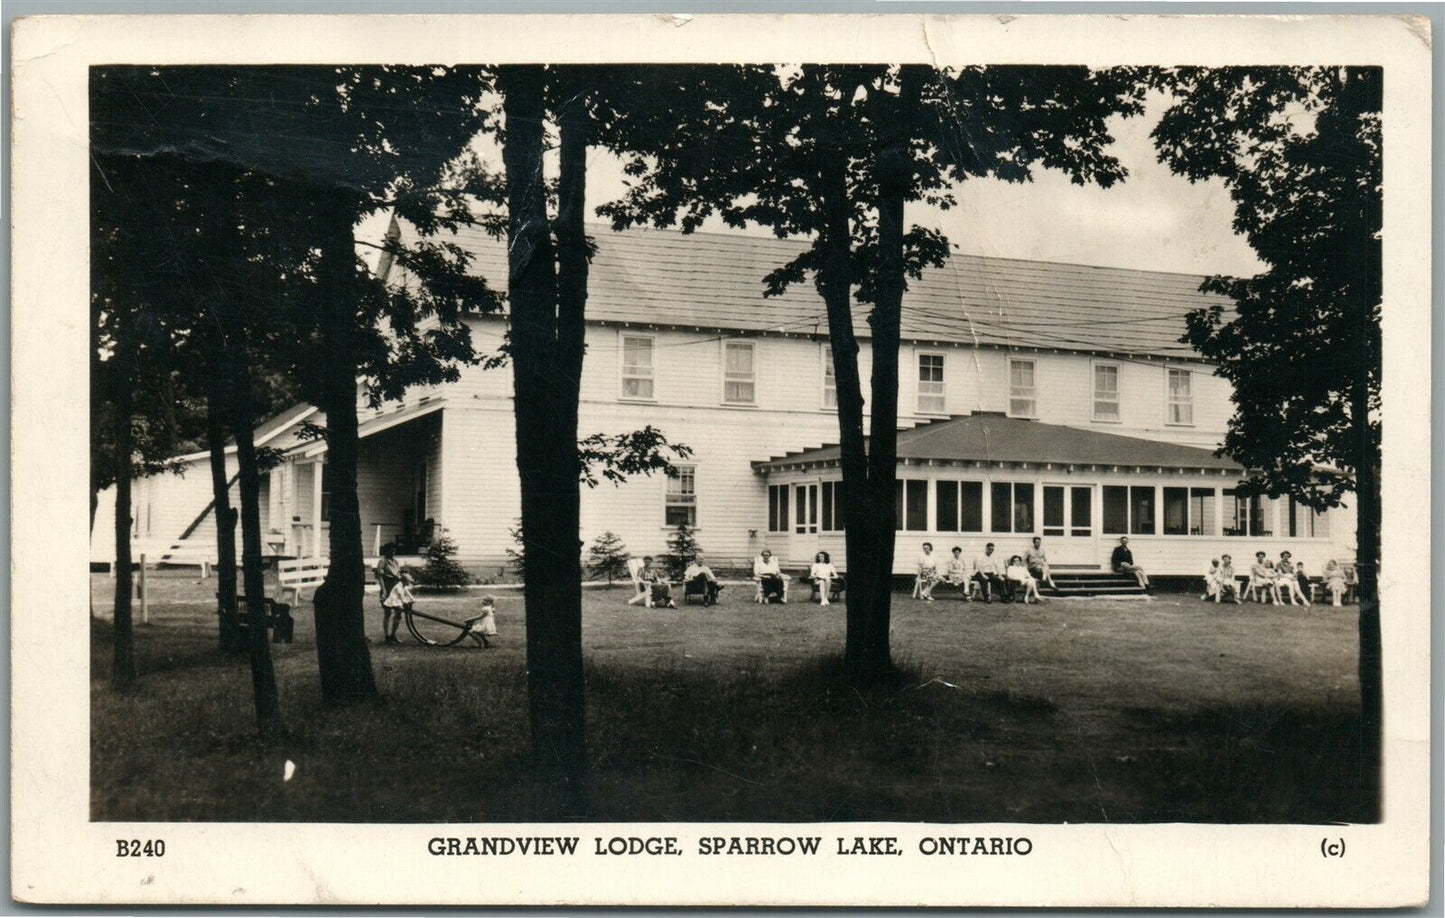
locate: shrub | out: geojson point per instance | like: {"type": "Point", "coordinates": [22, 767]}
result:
{"type": "Point", "coordinates": [608, 557]}
{"type": "Point", "coordinates": [441, 569]}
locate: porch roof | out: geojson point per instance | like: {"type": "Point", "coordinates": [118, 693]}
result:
{"type": "Point", "coordinates": [988, 437]}
{"type": "Point", "coordinates": [369, 426]}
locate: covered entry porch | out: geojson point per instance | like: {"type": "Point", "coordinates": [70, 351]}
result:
{"type": "Point", "coordinates": [397, 484]}
{"type": "Point", "coordinates": [985, 478]}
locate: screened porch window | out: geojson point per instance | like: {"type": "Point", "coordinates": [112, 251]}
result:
{"type": "Point", "coordinates": [1129, 510]}
{"type": "Point", "coordinates": [1012, 506]}
{"type": "Point", "coordinates": [833, 519]}
{"type": "Point", "coordinates": [1244, 515]}
{"type": "Point", "coordinates": [959, 506]}
{"type": "Point", "coordinates": [1307, 522]}
{"type": "Point", "coordinates": [910, 505]}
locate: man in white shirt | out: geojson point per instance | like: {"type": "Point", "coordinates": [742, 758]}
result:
{"type": "Point", "coordinates": [699, 578]}
{"type": "Point", "coordinates": [767, 572]}
{"type": "Point", "coordinates": [989, 573]}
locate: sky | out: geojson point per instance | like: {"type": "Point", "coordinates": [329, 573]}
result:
{"type": "Point", "coordinates": [1153, 220]}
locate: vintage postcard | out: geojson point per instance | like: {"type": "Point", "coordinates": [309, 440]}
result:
{"type": "Point", "coordinates": [721, 460]}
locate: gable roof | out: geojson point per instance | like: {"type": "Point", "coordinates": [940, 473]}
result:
{"type": "Point", "coordinates": [714, 281]}
{"type": "Point", "coordinates": [989, 437]}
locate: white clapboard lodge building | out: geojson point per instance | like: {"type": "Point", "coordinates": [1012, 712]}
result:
{"type": "Point", "coordinates": [1035, 399]}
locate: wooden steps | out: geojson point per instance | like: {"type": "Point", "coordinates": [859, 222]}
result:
{"type": "Point", "coordinates": [1091, 583]}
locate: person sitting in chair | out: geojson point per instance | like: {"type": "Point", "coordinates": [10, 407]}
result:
{"type": "Point", "coordinates": [660, 590]}
{"type": "Point", "coordinates": [956, 573]}
{"type": "Point", "coordinates": [1225, 580]}
{"type": "Point", "coordinates": [700, 579]}
{"type": "Point", "coordinates": [1019, 582]}
{"type": "Point", "coordinates": [823, 575]}
{"type": "Point", "coordinates": [989, 573]}
{"type": "Point", "coordinates": [1038, 564]}
{"type": "Point", "coordinates": [1287, 579]}
{"type": "Point", "coordinates": [1335, 582]}
{"type": "Point", "coordinates": [1263, 580]}
{"type": "Point", "coordinates": [927, 572]}
{"type": "Point", "coordinates": [1122, 561]}
{"type": "Point", "coordinates": [767, 572]}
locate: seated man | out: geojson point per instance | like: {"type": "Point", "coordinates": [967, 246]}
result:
{"type": "Point", "coordinates": [700, 579]}
{"type": "Point", "coordinates": [1122, 561]}
{"type": "Point", "coordinates": [1038, 564]}
{"type": "Point", "coordinates": [767, 572]}
{"type": "Point", "coordinates": [989, 573]}
{"type": "Point", "coordinates": [1226, 581]}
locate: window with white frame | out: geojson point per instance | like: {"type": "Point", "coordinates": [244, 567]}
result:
{"type": "Point", "coordinates": [681, 504]}
{"type": "Point", "coordinates": [637, 366]}
{"type": "Point", "coordinates": [1022, 394]}
{"type": "Point", "coordinates": [778, 508]}
{"type": "Point", "coordinates": [739, 373]}
{"type": "Point", "coordinates": [930, 384]}
{"type": "Point", "coordinates": [833, 517]}
{"type": "Point", "coordinates": [1106, 392]}
{"type": "Point", "coordinates": [1181, 397]}
{"type": "Point", "coordinates": [830, 378]}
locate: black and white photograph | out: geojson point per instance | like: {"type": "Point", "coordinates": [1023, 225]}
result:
{"type": "Point", "coordinates": [651, 465]}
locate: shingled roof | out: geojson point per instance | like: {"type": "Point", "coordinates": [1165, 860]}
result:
{"type": "Point", "coordinates": [989, 437]}
{"type": "Point", "coordinates": [714, 281]}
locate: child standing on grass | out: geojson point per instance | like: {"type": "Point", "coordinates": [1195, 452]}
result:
{"type": "Point", "coordinates": [484, 626]}
{"type": "Point", "coordinates": [397, 601]}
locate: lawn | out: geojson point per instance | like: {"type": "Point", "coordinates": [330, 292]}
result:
{"type": "Point", "coordinates": [1081, 711]}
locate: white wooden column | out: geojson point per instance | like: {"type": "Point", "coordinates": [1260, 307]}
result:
{"type": "Point", "coordinates": [316, 508]}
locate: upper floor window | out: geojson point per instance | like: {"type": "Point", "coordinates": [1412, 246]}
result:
{"type": "Point", "coordinates": [637, 366]}
{"type": "Point", "coordinates": [1022, 394]}
{"type": "Point", "coordinates": [930, 384]}
{"type": "Point", "coordinates": [739, 373]}
{"type": "Point", "coordinates": [681, 503]}
{"type": "Point", "coordinates": [1181, 397]}
{"type": "Point", "coordinates": [830, 378]}
{"type": "Point", "coordinates": [1106, 392]}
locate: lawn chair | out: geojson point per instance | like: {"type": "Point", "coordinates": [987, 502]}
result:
{"type": "Point", "coordinates": [639, 586]}
{"type": "Point", "coordinates": [835, 589]}
{"type": "Point", "coordinates": [758, 595]}
{"type": "Point", "coordinates": [696, 588]}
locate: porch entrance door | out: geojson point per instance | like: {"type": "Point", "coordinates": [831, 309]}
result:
{"type": "Point", "coordinates": [1070, 534]}
{"type": "Point", "coordinates": [803, 541]}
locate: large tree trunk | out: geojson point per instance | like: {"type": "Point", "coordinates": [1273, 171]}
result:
{"type": "Point", "coordinates": [263, 676]}
{"type": "Point", "coordinates": [546, 337]}
{"type": "Point", "coordinates": [230, 634]}
{"type": "Point", "coordinates": [1367, 560]}
{"type": "Point", "coordinates": [342, 653]}
{"type": "Point", "coordinates": [122, 673]}
{"type": "Point", "coordinates": [895, 177]}
{"type": "Point", "coordinates": [835, 284]}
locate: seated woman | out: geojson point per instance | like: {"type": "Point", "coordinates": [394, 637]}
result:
{"type": "Point", "coordinates": [1263, 579]}
{"type": "Point", "coordinates": [1211, 581]}
{"type": "Point", "coordinates": [1335, 582]}
{"type": "Point", "coordinates": [770, 577]}
{"type": "Point", "coordinates": [823, 575]}
{"type": "Point", "coordinates": [1287, 582]}
{"type": "Point", "coordinates": [927, 573]}
{"type": "Point", "coordinates": [957, 573]}
{"type": "Point", "coordinates": [1225, 581]}
{"type": "Point", "coordinates": [1019, 581]}
{"type": "Point", "coordinates": [660, 589]}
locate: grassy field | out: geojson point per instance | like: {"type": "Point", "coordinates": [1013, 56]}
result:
{"type": "Point", "coordinates": [1080, 711]}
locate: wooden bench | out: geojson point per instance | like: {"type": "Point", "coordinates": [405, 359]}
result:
{"type": "Point", "coordinates": [277, 616]}
{"type": "Point", "coordinates": [298, 574]}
